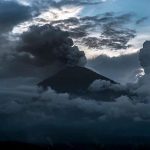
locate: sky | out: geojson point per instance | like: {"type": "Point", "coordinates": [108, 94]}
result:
{"type": "Point", "coordinates": [38, 38]}
{"type": "Point", "coordinates": [134, 27]}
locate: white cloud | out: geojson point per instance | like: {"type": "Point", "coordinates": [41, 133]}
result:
{"type": "Point", "coordinates": [100, 85]}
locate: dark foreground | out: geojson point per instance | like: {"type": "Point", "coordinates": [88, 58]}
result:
{"type": "Point", "coordinates": [23, 146]}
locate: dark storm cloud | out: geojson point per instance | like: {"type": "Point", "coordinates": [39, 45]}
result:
{"type": "Point", "coordinates": [41, 48]}
{"type": "Point", "coordinates": [74, 2]}
{"type": "Point", "coordinates": [142, 88]}
{"type": "Point", "coordinates": [12, 13]}
{"type": "Point", "coordinates": [110, 27]}
{"type": "Point", "coordinates": [47, 44]}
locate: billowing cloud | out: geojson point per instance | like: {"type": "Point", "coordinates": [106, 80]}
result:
{"type": "Point", "coordinates": [42, 46]}
{"type": "Point", "coordinates": [143, 85]}
{"type": "Point", "coordinates": [144, 57]}
{"type": "Point", "coordinates": [101, 85]}
{"type": "Point", "coordinates": [46, 44]}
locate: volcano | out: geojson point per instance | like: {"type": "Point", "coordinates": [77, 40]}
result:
{"type": "Point", "coordinates": [76, 81]}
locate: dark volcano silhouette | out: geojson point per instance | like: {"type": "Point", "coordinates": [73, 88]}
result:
{"type": "Point", "coordinates": [76, 81]}
{"type": "Point", "coordinates": [72, 79]}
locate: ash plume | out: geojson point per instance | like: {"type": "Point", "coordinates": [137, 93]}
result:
{"type": "Point", "coordinates": [47, 44]}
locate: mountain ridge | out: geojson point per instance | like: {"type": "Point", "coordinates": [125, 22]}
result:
{"type": "Point", "coordinates": [75, 78]}
{"type": "Point", "coordinates": [76, 82]}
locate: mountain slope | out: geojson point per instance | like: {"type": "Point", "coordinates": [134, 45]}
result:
{"type": "Point", "coordinates": [76, 81]}
{"type": "Point", "coordinates": [72, 79]}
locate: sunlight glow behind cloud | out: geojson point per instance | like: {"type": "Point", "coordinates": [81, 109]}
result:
{"type": "Point", "coordinates": [52, 14]}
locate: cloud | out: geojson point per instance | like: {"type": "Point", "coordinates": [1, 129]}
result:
{"type": "Point", "coordinates": [12, 13]}
{"type": "Point", "coordinates": [144, 57]}
{"type": "Point", "coordinates": [41, 116]}
{"type": "Point", "coordinates": [110, 27]}
{"type": "Point", "coordinates": [113, 35]}
{"type": "Point", "coordinates": [73, 25]}
{"type": "Point", "coordinates": [101, 85]}
{"type": "Point", "coordinates": [39, 5]}
{"type": "Point", "coordinates": [78, 2]}
{"type": "Point", "coordinates": [42, 47]}
{"type": "Point", "coordinates": [111, 30]}
{"type": "Point", "coordinates": [141, 20]}
{"type": "Point", "coordinates": [46, 44]}
{"type": "Point", "coordinates": [142, 88]}
{"type": "Point", "coordinates": [68, 2]}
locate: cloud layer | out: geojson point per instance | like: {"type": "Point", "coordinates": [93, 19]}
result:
{"type": "Point", "coordinates": [111, 30]}
{"type": "Point", "coordinates": [53, 117]}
